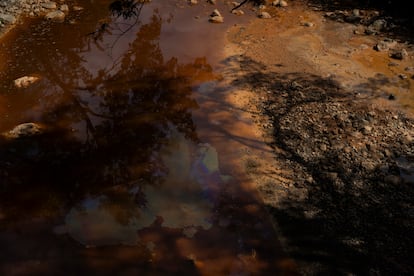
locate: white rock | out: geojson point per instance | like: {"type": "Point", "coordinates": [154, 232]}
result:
{"type": "Point", "coordinates": [77, 8]}
{"type": "Point", "coordinates": [25, 81]}
{"type": "Point", "coordinates": [283, 3]}
{"type": "Point", "coordinates": [8, 18]}
{"type": "Point", "coordinates": [280, 3]}
{"type": "Point", "coordinates": [237, 12]}
{"type": "Point", "coordinates": [24, 130]}
{"type": "Point", "coordinates": [264, 15]}
{"type": "Point", "coordinates": [308, 24]}
{"type": "Point", "coordinates": [49, 5]}
{"type": "Point", "coordinates": [385, 45]}
{"type": "Point", "coordinates": [64, 8]}
{"type": "Point", "coordinates": [216, 19]}
{"type": "Point", "coordinates": [215, 13]}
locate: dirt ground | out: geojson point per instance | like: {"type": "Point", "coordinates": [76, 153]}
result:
{"type": "Point", "coordinates": [338, 116]}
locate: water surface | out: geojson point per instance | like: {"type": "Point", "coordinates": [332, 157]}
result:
{"type": "Point", "coordinates": [122, 179]}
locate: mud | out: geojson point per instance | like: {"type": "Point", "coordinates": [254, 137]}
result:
{"type": "Point", "coordinates": [335, 186]}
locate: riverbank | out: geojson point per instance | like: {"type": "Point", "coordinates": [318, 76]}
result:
{"type": "Point", "coordinates": [11, 11]}
{"type": "Point", "coordinates": [337, 112]}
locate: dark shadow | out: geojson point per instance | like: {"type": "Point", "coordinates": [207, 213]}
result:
{"type": "Point", "coordinates": [349, 209]}
{"type": "Point", "coordinates": [397, 21]}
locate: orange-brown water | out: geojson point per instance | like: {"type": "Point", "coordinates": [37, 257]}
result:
{"type": "Point", "coordinates": [132, 174]}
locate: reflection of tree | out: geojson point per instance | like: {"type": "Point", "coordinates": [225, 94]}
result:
{"type": "Point", "coordinates": [120, 114]}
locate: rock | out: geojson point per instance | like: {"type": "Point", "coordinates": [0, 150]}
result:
{"type": "Point", "coordinates": [399, 54]}
{"type": "Point", "coordinates": [193, 2]}
{"type": "Point", "coordinates": [307, 24]}
{"type": "Point", "coordinates": [280, 3]}
{"type": "Point", "coordinates": [264, 15]}
{"type": "Point", "coordinates": [216, 17]}
{"type": "Point", "coordinates": [213, 2]}
{"type": "Point", "coordinates": [367, 130]}
{"type": "Point", "coordinates": [49, 5]}
{"type": "Point", "coordinates": [356, 12]}
{"type": "Point", "coordinates": [7, 18]}
{"type": "Point", "coordinates": [56, 16]}
{"type": "Point", "coordinates": [24, 130]}
{"type": "Point", "coordinates": [64, 8]}
{"type": "Point", "coordinates": [409, 69]}
{"type": "Point", "coordinates": [25, 81]}
{"type": "Point", "coordinates": [385, 45]}
{"type": "Point", "coordinates": [283, 3]}
{"type": "Point", "coordinates": [378, 25]}
{"type": "Point", "coordinates": [215, 13]}
{"type": "Point", "coordinates": [77, 8]}
{"type": "Point", "coordinates": [237, 12]}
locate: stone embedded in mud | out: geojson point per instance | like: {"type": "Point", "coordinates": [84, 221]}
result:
{"type": "Point", "coordinates": [385, 45]}
{"type": "Point", "coordinates": [307, 24]}
{"type": "Point", "coordinates": [399, 54]}
{"type": "Point", "coordinates": [215, 13]}
{"type": "Point", "coordinates": [264, 15]}
{"type": "Point", "coordinates": [77, 8]}
{"type": "Point", "coordinates": [216, 17]}
{"type": "Point", "coordinates": [377, 26]}
{"type": "Point", "coordinates": [64, 8]}
{"type": "Point", "coordinates": [237, 12]}
{"type": "Point", "coordinates": [7, 18]}
{"type": "Point", "coordinates": [56, 16]}
{"type": "Point", "coordinates": [213, 2]}
{"type": "Point", "coordinates": [25, 81]}
{"type": "Point", "coordinates": [49, 5]}
{"type": "Point", "coordinates": [280, 3]}
{"type": "Point", "coordinates": [24, 130]}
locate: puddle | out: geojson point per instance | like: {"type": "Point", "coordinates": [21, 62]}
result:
{"type": "Point", "coordinates": [122, 178]}
{"type": "Point", "coordinates": [183, 200]}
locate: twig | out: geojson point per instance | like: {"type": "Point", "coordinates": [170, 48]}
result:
{"type": "Point", "coordinates": [239, 5]}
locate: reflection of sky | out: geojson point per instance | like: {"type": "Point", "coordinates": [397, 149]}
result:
{"type": "Point", "coordinates": [181, 200]}
{"type": "Point", "coordinates": [182, 36]}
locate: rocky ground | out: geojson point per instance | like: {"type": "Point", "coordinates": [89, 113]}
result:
{"type": "Point", "coordinates": [12, 10]}
{"type": "Point", "coordinates": [325, 95]}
